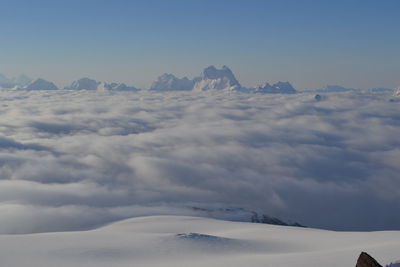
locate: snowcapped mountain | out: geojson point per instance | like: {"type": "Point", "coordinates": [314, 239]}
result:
{"type": "Point", "coordinates": [89, 84]}
{"type": "Point", "coordinates": [39, 84]}
{"type": "Point", "coordinates": [20, 81]}
{"type": "Point", "coordinates": [121, 87]}
{"type": "Point", "coordinates": [102, 86]}
{"type": "Point", "coordinates": [83, 84]}
{"type": "Point", "coordinates": [277, 88]}
{"type": "Point", "coordinates": [216, 79]}
{"type": "Point", "coordinates": [5, 82]}
{"type": "Point", "coordinates": [169, 82]}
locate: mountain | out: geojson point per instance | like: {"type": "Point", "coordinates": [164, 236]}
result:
{"type": "Point", "coordinates": [83, 84]}
{"type": "Point", "coordinates": [5, 82]}
{"type": "Point", "coordinates": [102, 86]}
{"type": "Point", "coordinates": [22, 80]}
{"type": "Point", "coordinates": [277, 88]}
{"type": "Point", "coordinates": [121, 87]}
{"type": "Point", "coordinates": [89, 84]}
{"type": "Point", "coordinates": [216, 79]}
{"type": "Point", "coordinates": [39, 84]}
{"type": "Point", "coordinates": [169, 82]}
{"type": "Point", "coordinates": [19, 81]}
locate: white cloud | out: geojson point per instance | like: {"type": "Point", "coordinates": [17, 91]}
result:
{"type": "Point", "coordinates": [76, 159]}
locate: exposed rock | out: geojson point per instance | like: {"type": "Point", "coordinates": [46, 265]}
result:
{"type": "Point", "coordinates": [84, 84]}
{"type": "Point", "coordinates": [366, 260]}
{"type": "Point", "coordinates": [318, 97]}
{"type": "Point", "coordinates": [216, 79]}
{"type": "Point", "coordinates": [271, 220]}
{"type": "Point", "coordinates": [277, 88]}
{"type": "Point", "coordinates": [40, 84]}
{"type": "Point", "coordinates": [168, 82]}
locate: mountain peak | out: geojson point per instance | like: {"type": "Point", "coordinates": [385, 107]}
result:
{"type": "Point", "coordinates": [277, 88]}
{"type": "Point", "coordinates": [169, 82]}
{"type": "Point", "coordinates": [219, 79]}
{"type": "Point", "coordinates": [84, 84]}
{"type": "Point", "coordinates": [40, 84]}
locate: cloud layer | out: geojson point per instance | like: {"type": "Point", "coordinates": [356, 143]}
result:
{"type": "Point", "coordinates": [77, 159]}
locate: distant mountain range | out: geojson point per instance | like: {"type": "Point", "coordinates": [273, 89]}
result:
{"type": "Point", "coordinates": [8, 83]}
{"type": "Point", "coordinates": [211, 78]}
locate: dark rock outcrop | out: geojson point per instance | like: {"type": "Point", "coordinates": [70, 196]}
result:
{"type": "Point", "coordinates": [366, 260]}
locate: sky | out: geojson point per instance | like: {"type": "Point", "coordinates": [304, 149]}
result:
{"type": "Point", "coordinates": [309, 43]}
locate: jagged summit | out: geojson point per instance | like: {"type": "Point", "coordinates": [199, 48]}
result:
{"type": "Point", "coordinates": [39, 84]}
{"type": "Point", "coordinates": [169, 82]}
{"type": "Point", "coordinates": [121, 87]}
{"type": "Point", "coordinates": [84, 84]}
{"type": "Point", "coordinates": [103, 86]}
{"type": "Point", "coordinates": [90, 84]}
{"type": "Point", "coordinates": [211, 78]}
{"type": "Point", "coordinates": [216, 79]}
{"type": "Point", "coordinates": [277, 88]}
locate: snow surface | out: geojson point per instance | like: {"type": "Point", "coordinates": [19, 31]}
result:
{"type": "Point", "coordinates": [192, 241]}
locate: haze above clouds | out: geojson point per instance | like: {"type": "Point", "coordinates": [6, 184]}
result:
{"type": "Point", "coordinates": [79, 159]}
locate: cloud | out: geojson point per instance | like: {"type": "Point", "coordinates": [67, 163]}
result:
{"type": "Point", "coordinates": [74, 160]}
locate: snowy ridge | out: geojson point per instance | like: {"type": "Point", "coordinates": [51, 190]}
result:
{"type": "Point", "coordinates": [193, 241]}
{"type": "Point", "coordinates": [39, 84]}
{"type": "Point", "coordinates": [20, 81]}
{"type": "Point", "coordinates": [169, 82]}
{"type": "Point", "coordinates": [216, 79]}
{"type": "Point", "coordinates": [211, 78]}
{"type": "Point", "coordinates": [83, 84]}
{"type": "Point", "coordinates": [277, 88]}
{"type": "Point", "coordinates": [92, 85]}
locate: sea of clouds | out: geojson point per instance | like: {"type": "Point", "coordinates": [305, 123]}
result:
{"type": "Point", "coordinates": [73, 160]}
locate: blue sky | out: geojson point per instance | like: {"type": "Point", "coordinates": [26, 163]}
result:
{"type": "Point", "coordinates": [309, 43]}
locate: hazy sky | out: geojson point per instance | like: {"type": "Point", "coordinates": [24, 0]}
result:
{"type": "Point", "coordinates": [309, 43]}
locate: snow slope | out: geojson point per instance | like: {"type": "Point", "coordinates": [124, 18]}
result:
{"type": "Point", "coordinates": [40, 84]}
{"type": "Point", "coordinates": [194, 241]}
